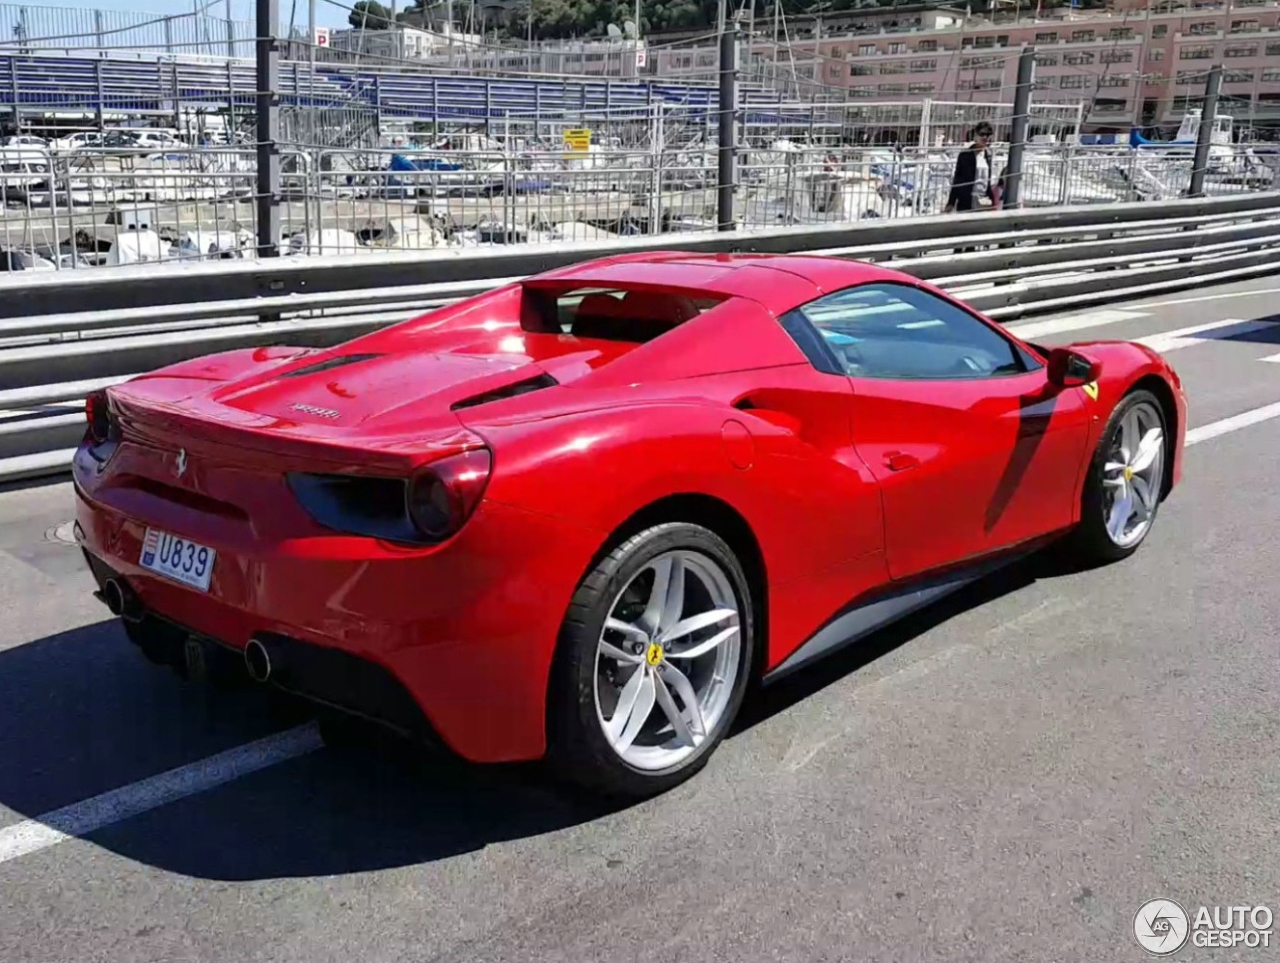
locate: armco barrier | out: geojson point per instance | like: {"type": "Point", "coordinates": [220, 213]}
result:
{"type": "Point", "coordinates": [53, 350]}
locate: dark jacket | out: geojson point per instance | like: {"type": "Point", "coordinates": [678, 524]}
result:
{"type": "Point", "coordinates": [961, 197]}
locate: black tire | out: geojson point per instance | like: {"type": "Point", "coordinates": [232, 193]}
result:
{"type": "Point", "coordinates": [577, 748]}
{"type": "Point", "coordinates": [1089, 543]}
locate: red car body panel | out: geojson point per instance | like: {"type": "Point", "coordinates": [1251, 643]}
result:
{"type": "Point", "coordinates": [846, 485]}
{"type": "Point", "coordinates": [1007, 444]}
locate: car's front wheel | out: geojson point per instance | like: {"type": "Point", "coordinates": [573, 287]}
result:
{"type": "Point", "coordinates": [653, 662]}
{"type": "Point", "coordinates": [1123, 490]}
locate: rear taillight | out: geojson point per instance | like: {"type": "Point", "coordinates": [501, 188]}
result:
{"type": "Point", "coordinates": [428, 508]}
{"type": "Point", "coordinates": [443, 495]}
{"type": "Point", "coordinates": [98, 415]}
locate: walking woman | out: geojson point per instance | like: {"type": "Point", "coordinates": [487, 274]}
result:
{"type": "Point", "coordinates": [971, 184]}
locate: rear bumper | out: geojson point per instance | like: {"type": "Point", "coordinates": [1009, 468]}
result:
{"type": "Point", "coordinates": [322, 674]}
{"type": "Point", "coordinates": [451, 645]}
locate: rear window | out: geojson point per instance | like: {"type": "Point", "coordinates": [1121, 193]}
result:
{"type": "Point", "coordinates": [633, 315]}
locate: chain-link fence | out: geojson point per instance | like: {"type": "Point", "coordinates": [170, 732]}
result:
{"type": "Point", "coordinates": [81, 209]}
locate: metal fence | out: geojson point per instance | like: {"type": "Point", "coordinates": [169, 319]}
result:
{"type": "Point", "coordinates": [71, 211]}
{"type": "Point", "coordinates": [63, 336]}
{"type": "Point", "coordinates": [31, 27]}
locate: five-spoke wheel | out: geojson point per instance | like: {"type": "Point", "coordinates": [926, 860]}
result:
{"type": "Point", "coordinates": [653, 661]}
{"type": "Point", "coordinates": [1126, 478]}
{"type": "Point", "coordinates": [667, 659]}
{"type": "Point", "coordinates": [1133, 474]}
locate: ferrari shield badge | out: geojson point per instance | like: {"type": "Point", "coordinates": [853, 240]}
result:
{"type": "Point", "coordinates": [1091, 389]}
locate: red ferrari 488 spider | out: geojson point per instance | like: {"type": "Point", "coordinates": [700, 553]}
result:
{"type": "Point", "coordinates": [575, 517]}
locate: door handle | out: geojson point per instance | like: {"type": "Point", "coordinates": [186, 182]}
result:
{"type": "Point", "coordinates": [897, 461]}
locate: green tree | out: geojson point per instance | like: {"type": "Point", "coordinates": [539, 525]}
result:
{"type": "Point", "coordinates": [369, 14]}
{"type": "Point", "coordinates": [567, 19]}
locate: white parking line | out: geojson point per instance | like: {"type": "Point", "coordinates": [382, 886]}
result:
{"type": "Point", "coordinates": [1225, 295]}
{"type": "Point", "coordinates": [1234, 423]}
{"type": "Point", "coordinates": [1074, 322]}
{"type": "Point", "coordinates": [1200, 333]}
{"type": "Point", "coordinates": [79, 819]}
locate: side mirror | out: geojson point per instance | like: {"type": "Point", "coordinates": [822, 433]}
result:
{"type": "Point", "coordinates": [1067, 369]}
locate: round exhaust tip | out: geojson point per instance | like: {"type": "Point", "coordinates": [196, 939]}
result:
{"type": "Point", "coordinates": [113, 595]}
{"type": "Point", "coordinates": [257, 661]}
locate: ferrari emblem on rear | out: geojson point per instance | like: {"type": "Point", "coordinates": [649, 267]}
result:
{"type": "Point", "coordinates": [654, 655]}
{"type": "Point", "coordinates": [180, 463]}
{"type": "Point", "coordinates": [1091, 389]}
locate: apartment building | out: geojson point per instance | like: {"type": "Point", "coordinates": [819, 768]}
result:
{"type": "Point", "coordinates": [1138, 63]}
{"type": "Point", "coordinates": [400, 41]}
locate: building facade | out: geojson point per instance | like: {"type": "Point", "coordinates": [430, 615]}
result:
{"type": "Point", "coordinates": [401, 41]}
{"type": "Point", "coordinates": [1138, 63]}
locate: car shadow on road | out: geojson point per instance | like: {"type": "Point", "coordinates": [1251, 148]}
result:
{"type": "Point", "coordinates": [778, 697]}
{"type": "Point", "coordinates": [329, 813]}
{"type": "Point", "coordinates": [1246, 331]}
{"type": "Point", "coordinates": [82, 713]}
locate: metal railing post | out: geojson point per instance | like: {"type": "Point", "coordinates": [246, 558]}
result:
{"type": "Point", "coordinates": [1021, 122]}
{"type": "Point", "coordinates": [1204, 140]}
{"type": "Point", "coordinates": [728, 120]}
{"type": "Point", "coordinates": [268, 129]}
{"type": "Point", "coordinates": [231, 30]}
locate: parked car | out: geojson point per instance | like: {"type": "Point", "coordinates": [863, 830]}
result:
{"type": "Point", "coordinates": [575, 517]}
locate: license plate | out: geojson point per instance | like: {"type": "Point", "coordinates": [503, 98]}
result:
{"type": "Point", "coordinates": [178, 558]}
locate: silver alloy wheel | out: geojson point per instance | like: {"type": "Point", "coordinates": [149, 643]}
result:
{"type": "Point", "coordinates": [1133, 474]}
{"type": "Point", "coordinates": [667, 659]}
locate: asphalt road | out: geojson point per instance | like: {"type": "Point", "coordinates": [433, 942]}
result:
{"type": "Point", "coordinates": [1008, 777]}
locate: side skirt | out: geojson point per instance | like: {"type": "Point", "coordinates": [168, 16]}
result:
{"type": "Point", "coordinates": [871, 614]}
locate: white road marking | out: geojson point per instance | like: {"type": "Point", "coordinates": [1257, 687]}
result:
{"type": "Point", "coordinates": [1208, 297]}
{"type": "Point", "coordinates": [86, 816]}
{"type": "Point", "coordinates": [1196, 334]}
{"type": "Point", "coordinates": [1074, 322]}
{"type": "Point", "coordinates": [1234, 423]}
{"type": "Point", "coordinates": [1275, 358]}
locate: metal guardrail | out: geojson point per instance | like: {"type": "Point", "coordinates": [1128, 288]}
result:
{"type": "Point", "coordinates": [63, 336]}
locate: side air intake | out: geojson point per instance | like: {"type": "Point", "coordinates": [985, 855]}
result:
{"type": "Point", "coordinates": [341, 361]}
{"type": "Point", "coordinates": [512, 390]}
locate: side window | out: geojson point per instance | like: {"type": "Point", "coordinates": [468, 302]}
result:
{"type": "Point", "coordinates": [900, 332]}
{"type": "Point", "coordinates": [634, 315]}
